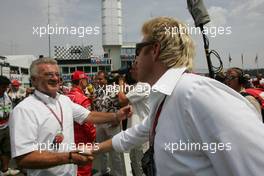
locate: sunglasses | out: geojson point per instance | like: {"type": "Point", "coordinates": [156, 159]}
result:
{"type": "Point", "coordinates": [230, 78]}
{"type": "Point", "coordinates": [141, 45]}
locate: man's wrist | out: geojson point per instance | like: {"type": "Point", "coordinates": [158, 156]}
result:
{"type": "Point", "coordinates": [116, 117]}
{"type": "Point", "coordinates": [70, 158]}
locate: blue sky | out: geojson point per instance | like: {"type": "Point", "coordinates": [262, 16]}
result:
{"type": "Point", "coordinates": [244, 17]}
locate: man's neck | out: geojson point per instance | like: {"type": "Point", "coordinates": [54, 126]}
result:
{"type": "Point", "coordinates": [102, 86]}
{"type": "Point", "coordinates": [157, 75]}
{"type": "Point", "coordinates": [49, 94]}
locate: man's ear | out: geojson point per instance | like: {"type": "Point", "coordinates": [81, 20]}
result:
{"type": "Point", "coordinates": [33, 79]}
{"type": "Point", "coordinates": [156, 51]}
{"type": "Point", "coordinates": [81, 82]}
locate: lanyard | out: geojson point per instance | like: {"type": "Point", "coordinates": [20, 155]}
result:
{"type": "Point", "coordinates": [155, 123]}
{"type": "Point", "coordinates": [60, 120]}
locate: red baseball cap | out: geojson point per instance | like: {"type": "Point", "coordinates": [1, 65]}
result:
{"type": "Point", "coordinates": [15, 82]}
{"type": "Point", "coordinates": [77, 75]}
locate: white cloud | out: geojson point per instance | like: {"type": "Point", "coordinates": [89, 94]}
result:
{"type": "Point", "coordinates": [251, 10]}
{"type": "Point", "coordinates": [218, 16]}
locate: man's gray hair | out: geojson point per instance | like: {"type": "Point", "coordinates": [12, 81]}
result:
{"type": "Point", "coordinates": [35, 63]}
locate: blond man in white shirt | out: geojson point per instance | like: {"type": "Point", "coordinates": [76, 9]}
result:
{"type": "Point", "coordinates": [204, 127]}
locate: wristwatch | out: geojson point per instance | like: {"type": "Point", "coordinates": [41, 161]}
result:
{"type": "Point", "coordinates": [70, 158]}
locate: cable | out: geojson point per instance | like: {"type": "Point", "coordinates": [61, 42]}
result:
{"type": "Point", "coordinates": [220, 67]}
{"type": "Point", "coordinates": [213, 70]}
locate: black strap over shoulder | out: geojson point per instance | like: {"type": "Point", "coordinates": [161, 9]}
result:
{"type": "Point", "coordinates": [244, 94]}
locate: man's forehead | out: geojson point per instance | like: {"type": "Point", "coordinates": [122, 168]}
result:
{"type": "Point", "coordinates": [232, 72]}
{"type": "Point", "coordinates": [47, 67]}
{"type": "Point", "coordinates": [101, 75]}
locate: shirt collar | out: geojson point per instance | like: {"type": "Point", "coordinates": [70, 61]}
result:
{"type": "Point", "coordinates": [168, 80]}
{"type": "Point", "coordinates": [47, 99]}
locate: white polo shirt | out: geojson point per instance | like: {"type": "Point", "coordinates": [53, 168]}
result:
{"type": "Point", "coordinates": [138, 98]}
{"type": "Point", "coordinates": [33, 127]}
{"type": "Point", "coordinates": [205, 129]}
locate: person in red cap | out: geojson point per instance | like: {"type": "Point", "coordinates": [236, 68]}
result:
{"type": "Point", "coordinates": [83, 134]}
{"type": "Point", "coordinates": [16, 92]}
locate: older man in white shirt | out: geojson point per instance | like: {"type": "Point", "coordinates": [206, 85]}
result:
{"type": "Point", "coordinates": [203, 127]}
{"type": "Point", "coordinates": [41, 126]}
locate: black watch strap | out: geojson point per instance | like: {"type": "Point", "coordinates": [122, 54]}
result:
{"type": "Point", "coordinates": [70, 158]}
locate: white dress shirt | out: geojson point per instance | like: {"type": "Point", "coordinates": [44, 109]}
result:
{"type": "Point", "coordinates": [205, 128]}
{"type": "Point", "coordinates": [138, 98]}
{"type": "Point", "coordinates": [33, 127]}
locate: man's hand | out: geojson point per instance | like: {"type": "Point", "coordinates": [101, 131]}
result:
{"type": "Point", "coordinates": [124, 113]}
{"type": "Point", "coordinates": [82, 158]}
{"type": "Point", "coordinates": [109, 117]}
{"type": "Point", "coordinates": [46, 159]}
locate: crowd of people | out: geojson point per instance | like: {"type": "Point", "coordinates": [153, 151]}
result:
{"type": "Point", "coordinates": [55, 130]}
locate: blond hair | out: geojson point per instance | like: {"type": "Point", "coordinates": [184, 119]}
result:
{"type": "Point", "coordinates": [177, 49]}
